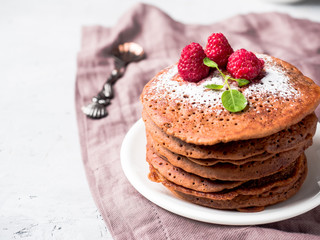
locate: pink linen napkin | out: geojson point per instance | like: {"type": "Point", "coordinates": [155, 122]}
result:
{"type": "Point", "coordinates": [128, 214]}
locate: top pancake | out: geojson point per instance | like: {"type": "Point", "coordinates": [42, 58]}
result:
{"type": "Point", "coordinates": [194, 114]}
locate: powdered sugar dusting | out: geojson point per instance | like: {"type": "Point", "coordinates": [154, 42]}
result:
{"type": "Point", "coordinates": [274, 83]}
{"type": "Point", "coordinates": [194, 93]}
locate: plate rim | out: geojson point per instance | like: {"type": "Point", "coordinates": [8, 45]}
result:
{"type": "Point", "coordinates": [177, 205]}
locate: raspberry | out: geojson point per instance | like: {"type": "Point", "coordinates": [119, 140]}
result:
{"type": "Point", "coordinates": [218, 49]}
{"type": "Point", "coordinates": [244, 64]}
{"type": "Point", "coordinates": [190, 66]}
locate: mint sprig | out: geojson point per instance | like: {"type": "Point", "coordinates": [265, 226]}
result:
{"type": "Point", "coordinates": [214, 86]}
{"type": "Point", "coordinates": [241, 82]}
{"type": "Point", "coordinates": [232, 99]}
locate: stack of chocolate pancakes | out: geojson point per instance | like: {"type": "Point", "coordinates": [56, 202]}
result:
{"type": "Point", "coordinates": [244, 161]}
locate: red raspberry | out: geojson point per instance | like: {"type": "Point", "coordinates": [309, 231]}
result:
{"type": "Point", "coordinates": [190, 66]}
{"type": "Point", "coordinates": [244, 64]}
{"type": "Point", "coordinates": [218, 49]}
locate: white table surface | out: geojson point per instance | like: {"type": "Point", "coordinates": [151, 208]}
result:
{"type": "Point", "coordinates": [43, 188]}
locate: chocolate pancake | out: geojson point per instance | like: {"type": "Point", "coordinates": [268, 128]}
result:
{"type": "Point", "coordinates": [257, 193]}
{"type": "Point", "coordinates": [244, 203]}
{"type": "Point", "coordinates": [278, 142]}
{"type": "Point", "coordinates": [212, 161]}
{"type": "Point", "coordinates": [188, 180]}
{"type": "Point", "coordinates": [229, 171]}
{"type": "Point", "coordinates": [190, 112]}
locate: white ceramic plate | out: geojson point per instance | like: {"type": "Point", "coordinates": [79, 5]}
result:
{"type": "Point", "coordinates": [136, 169]}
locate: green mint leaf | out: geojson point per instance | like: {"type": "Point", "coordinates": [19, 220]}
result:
{"type": "Point", "coordinates": [208, 62]}
{"type": "Point", "coordinates": [233, 100]}
{"type": "Point", "coordinates": [242, 82]}
{"type": "Point", "coordinates": [214, 86]}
